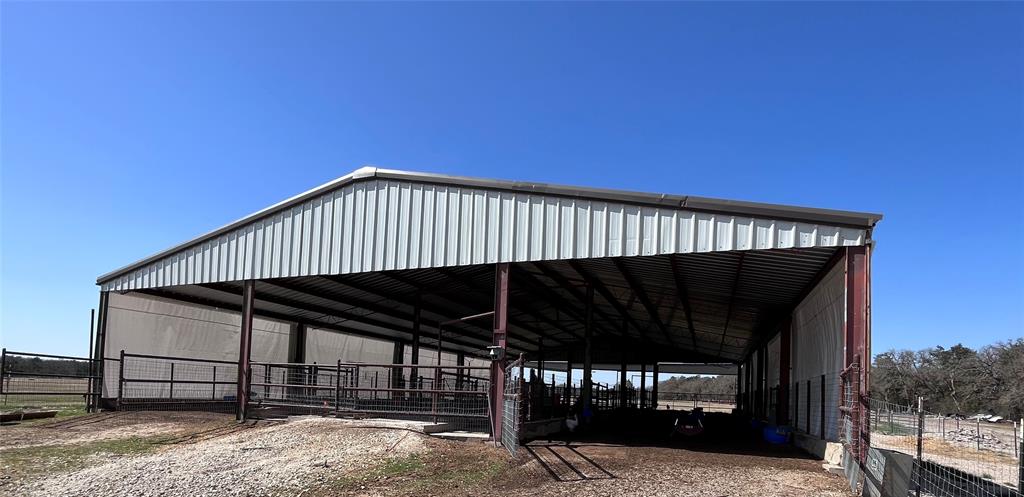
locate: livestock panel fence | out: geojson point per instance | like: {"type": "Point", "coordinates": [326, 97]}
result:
{"type": "Point", "coordinates": [44, 381]}
{"type": "Point", "coordinates": [952, 456]}
{"type": "Point", "coordinates": [457, 395]}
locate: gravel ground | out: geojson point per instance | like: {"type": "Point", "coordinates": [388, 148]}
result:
{"type": "Point", "coordinates": [325, 457]}
{"type": "Point", "coordinates": [278, 459]}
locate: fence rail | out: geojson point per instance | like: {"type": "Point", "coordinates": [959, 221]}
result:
{"type": "Point", "coordinates": [28, 380]}
{"type": "Point", "coordinates": [453, 394]}
{"type": "Point", "coordinates": [151, 382]}
{"type": "Point", "coordinates": [951, 457]}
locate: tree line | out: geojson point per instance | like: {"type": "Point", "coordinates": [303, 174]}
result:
{"type": "Point", "coordinates": [720, 385]}
{"type": "Point", "coordinates": [35, 365]}
{"type": "Point", "coordinates": [958, 380]}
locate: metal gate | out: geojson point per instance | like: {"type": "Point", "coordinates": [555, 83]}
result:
{"type": "Point", "coordinates": [511, 406]}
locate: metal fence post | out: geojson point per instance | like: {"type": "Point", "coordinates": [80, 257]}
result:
{"type": "Point", "coordinates": [977, 431]}
{"type": "Point", "coordinates": [823, 407]}
{"type": "Point", "coordinates": [3, 368]}
{"type": "Point", "coordinates": [808, 407]}
{"type": "Point", "coordinates": [213, 391]}
{"type": "Point", "coordinates": [248, 390]}
{"type": "Point", "coordinates": [92, 330]}
{"type": "Point", "coordinates": [1020, 458]}
{"type": "Point", "coordinates": [920, 436]}
{"type": "Point", "coordinates": [337, 389]}
{"type": "Point", "coordinates": [796, 405]}
{"type": "Point", "coordinates": [120, 380]}
{"type": "Point", "coordinates": [171, 391]}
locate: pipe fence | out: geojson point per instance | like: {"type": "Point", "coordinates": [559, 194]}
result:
{"type": "Point", "coordinates": [452, 394]}
{"type": "Point", "coordinates": [44, 381]}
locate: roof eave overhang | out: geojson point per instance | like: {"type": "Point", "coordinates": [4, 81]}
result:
{"type": "Point", "coordinates": [849, 219]}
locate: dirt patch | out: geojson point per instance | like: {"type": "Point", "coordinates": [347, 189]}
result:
{"type": "Point", "coordinates": [108, 426]}
{"type": "Point", "coordinates": [594, 469]}
{"type": "Point", "coordinates": [995, 466]}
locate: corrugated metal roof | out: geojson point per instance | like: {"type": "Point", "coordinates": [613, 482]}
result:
{"type": "Point", "coordinates": [378, 220]}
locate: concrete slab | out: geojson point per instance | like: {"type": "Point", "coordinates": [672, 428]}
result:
{"type": "Point", "coordinates": [462, 436]}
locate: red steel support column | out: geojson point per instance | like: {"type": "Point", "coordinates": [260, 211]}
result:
{"type": "Point", "coordinates": [501, 277]}
{"type": "Point", "coordinates": [759, 389]}
{"type": "Point", "coordinates": [568, 379]}
{"type": "Point", "coordinates": [858, 332]}
{"type": "Point", "coordinates": [739, 385]}
{"type": "Point", "coordinates": [415, 355]}
{"type": "Point", "coordinates": [782, 403]}
{"type": "Point", "coordinates": [588, 333]}
{"type": "Point", "coordinates": [622, 381]}
{"type": "Point", "coordinates": [643, 385]}
{"type": "Point", "coordinates": [245, 347]}
{"type": "Point", "coordinates": [654, 386]}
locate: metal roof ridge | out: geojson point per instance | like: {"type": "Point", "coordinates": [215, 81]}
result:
{"type": "Point", "coordinates": [733, 207]}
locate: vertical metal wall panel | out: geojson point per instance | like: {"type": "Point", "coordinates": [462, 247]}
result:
{"type": "Point", "coordinates": [378, 225]}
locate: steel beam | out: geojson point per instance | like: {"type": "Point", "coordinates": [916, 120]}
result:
{"type": "Point", "coordinates": [298, 352]}
{"type": "Point", "coordinates": [475, 285]}
{"type": "Point", "coordinates": [416, 323]}
{"type": "Point", "coordinates": [684, 297]}
{"type": "Point", "coordinates": [858, 333]}
{"type": "Point", "coordinates": [101, 346]}
{"type": "Point", "coordinates": [450, 300]}
{"type": "Point", "coordinates": [245, 347]}
{"type": "Point", "coordinates": [315, 323]}
{"type": "Point", "coordinates": [411, 303]}
{"type": "Point", "coordinates": [579, 296]}
{"type": "Point", "coordinates": [732, 301]}
{"type": "Point", "coordinates": [588, 335]}
{"type": "Point", "coordinates": [622, 381]}
{"type": "Point", "coordinates": [608, 296]}
{"type": "Point", "coordinates": [785, 348]}
{"type": "Point", "coordinates": [654, 386]}
{"type": "Point", "coordinates": [637, 288]}
{"type": "Point", "coordinates": [643, 385]}
{"type": "Point", "coordinates": [499, 337]}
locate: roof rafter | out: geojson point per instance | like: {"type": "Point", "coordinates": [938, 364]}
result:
{"type": "Point", "coordinates": [638, 289]}
{"type": "Point", "coordinates": [732, 301]}
{"type": "Point", "coordinates": [470, 282]}
{"type": "Point", "coordinates": [607, 295]}
{"type": "Point", "coordinates": [684, 297]}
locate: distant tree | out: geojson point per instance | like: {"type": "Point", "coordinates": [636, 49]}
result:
{"type": "Point", "coordinates": [699, 384]}
{"type": "Point", "coordinates": [957, 380]}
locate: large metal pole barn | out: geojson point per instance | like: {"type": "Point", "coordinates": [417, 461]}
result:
{"type": "Point", "coordinates": [366, 268]}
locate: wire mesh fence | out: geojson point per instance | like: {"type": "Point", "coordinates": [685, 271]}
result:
{"type": "Point", "coordinates": [30, 381]}
{"type": "Point", "coordinates": [709, 402]}
{"type": "Point", "coordinates": [160, 383]}
{"type": "Point", "coordinates": [456, 395]}
{"type": "Point", "coordinates": [953, 456]}
{"type": "Point", "coordinates": [511, 406]}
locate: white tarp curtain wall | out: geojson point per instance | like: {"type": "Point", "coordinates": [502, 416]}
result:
{"type": "Point", "coordinates": [327, 347]}
{"type": "Point", "coordinates": [428, 356]}
{"type": "Point", "coordinates": [143, 324]}
{"type": "Point", "coordinates": [817, 350]}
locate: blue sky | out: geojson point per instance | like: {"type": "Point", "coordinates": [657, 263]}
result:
{"type": "Point", "coordinates": [130, 127]}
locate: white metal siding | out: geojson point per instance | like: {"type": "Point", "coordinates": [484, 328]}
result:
{"type": "Point", "coordinates": [379, 224]}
